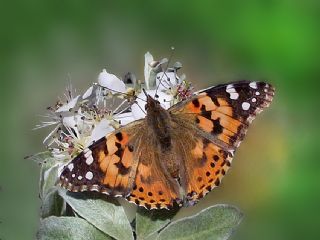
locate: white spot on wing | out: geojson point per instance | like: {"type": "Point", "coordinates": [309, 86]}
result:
{"type": "Point", "coordinates": [70, 166]}
{"type": "Point", "coordinates": [73, 175]}
{"type": "Point", "coordinates": [87, 153]}
{"type": "Point", "coordinates": [89, 175]}
{"type": "Point", "coordinates": [89, 160]}
{"type": "Point", "coordinates": [257, 93]}
{"type": "Point", "coordinates": [253, 85]}
{"type": "Point", "coordinates": [86, 150]}
{"type": "Point", "coordinates": [245, 106]}
{"type": "Point", "coordinates": [234, 95]}
{"type": "Point", "coordinates": [79, 177]}
{"type": "Point", "coordinates": [94, 188]}
{"type": "Point", "coordinates": [230, 88]}
{"type": "Point", "coordinates": [254, 100]}
{"type": "Point", "coordinates": [232, 91]}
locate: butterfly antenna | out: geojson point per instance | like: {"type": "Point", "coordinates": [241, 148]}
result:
{"type": "Point", "coordinates": [141, 109]}
{"type": "Point", "coordinates": [164, 71]}
{"type": "Point", "coordinates": [145, 92]}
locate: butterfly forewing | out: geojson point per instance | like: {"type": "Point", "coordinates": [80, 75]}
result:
{"type": "Point", "coordinates": [107, 166]}
{"type": "Point", "coordinates": [225, 111]}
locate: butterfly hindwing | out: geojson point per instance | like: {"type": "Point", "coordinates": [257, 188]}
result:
{"type": "Point", "coordinates": [153, 189]}
{"type": "Point", "coordinates": [205, 164]}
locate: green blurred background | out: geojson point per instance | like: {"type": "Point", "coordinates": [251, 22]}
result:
{"type": "Point", "coordinates": [275, 176]}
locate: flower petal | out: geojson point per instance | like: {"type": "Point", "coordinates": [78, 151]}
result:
{"type": "Point", "coordinates": [164, 99]}
{"type": "Point", "coordinates": [111, 82]}
{"type": "Point", "coordinates": [87, 93]}
{"type": "Point", "coordinates": [69, 121]}
{"type": "Point", "coordinates": [148, 58]}
{"type": "Point", "coordinates": [101, 130]}
{"type": "Point", "coordinates": [167, 80]}
{"type": "Point", "coordinates": [69, 105]}
{"type": "Point", "coordinates": [124, 118]}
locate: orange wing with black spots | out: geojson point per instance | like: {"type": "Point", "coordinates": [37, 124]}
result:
{"type": "Point", "coordinates": [205, 166]}
{"type": "Point", "coordinates": [123, 164]}
{"type": "Point", "coordinates": [154, 188]}
{"type": "Point", "coordinates": [225, 111]}
{"type": "Point", "coordinates": [218, 119]}
{"type": "Point", "coordinates": [108, 165]}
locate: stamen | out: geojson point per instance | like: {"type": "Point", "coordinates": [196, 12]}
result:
{"type": "Point", "coordinates": [171, 55]}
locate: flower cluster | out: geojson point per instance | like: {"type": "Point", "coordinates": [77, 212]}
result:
{"type": "Point", "coordinates": [111, 102]}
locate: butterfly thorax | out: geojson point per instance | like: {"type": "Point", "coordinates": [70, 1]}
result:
{"type": "Point", "coordinates": [159, 123]}
{"type": "Point", "coordinates": [158, 120]}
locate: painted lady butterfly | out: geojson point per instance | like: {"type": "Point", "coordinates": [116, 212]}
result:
{"type": "Point", "coordinates": [171, 157]}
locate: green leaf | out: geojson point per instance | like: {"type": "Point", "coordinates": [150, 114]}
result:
{"type": "Point", "coordinates": [68, 228]}
{"type": "Point", "coordinates": [48, 176]}
{"type": "Point", "coordinates": [106, 216]}
{"type": "Point", "coordinates": [215, 222]}
{"type": "Point", "coordinates": [149, 222]}
{"type": "Point", "coordinates": [52, 204]}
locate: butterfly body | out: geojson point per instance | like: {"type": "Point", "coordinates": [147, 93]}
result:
{"type": "Point", "coordinates": [159, 121]}
{"type": "Point", "coordinates": [175, 156]}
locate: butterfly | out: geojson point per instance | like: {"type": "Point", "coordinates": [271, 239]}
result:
{"type": "Point", "coordinates": [172, 157]}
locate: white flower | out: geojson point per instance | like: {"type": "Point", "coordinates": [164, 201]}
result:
{"type": "Point", "coordinates": [111, 82]}
{"type": "Point", "coordinates": [70, 105]}
{"type": "Point", "coordinates": [151, 68]}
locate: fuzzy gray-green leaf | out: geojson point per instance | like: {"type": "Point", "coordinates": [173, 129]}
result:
{"type": "Point", "coordinates": [216, 223]}
{"type": "Point", "coordinates": [52, 204]}
{"type": "Point", "coordinates": [150, 221]}
{"type": "Point", "coordinates": [48, 176]}
{"type": "Point", "coordinates": [108, 217]}
{"type": "Point", "coordinates": [53, 228]}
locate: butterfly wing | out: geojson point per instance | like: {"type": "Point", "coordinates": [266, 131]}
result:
{"type": "Point", "coordinates": [217, 120]}
{"type": "Point", "coordinates": [108, 165]}
{"type": "Point", "coordinates": [123, 164]}
{"type": "Point", "coordinates": [153, 188]}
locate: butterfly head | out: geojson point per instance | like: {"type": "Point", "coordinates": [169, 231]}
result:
{"type": "Point", "coordinates": [152, 104]}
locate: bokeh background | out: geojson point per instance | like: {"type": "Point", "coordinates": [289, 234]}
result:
{"type": "Point", "coordinates": [275, 176]}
